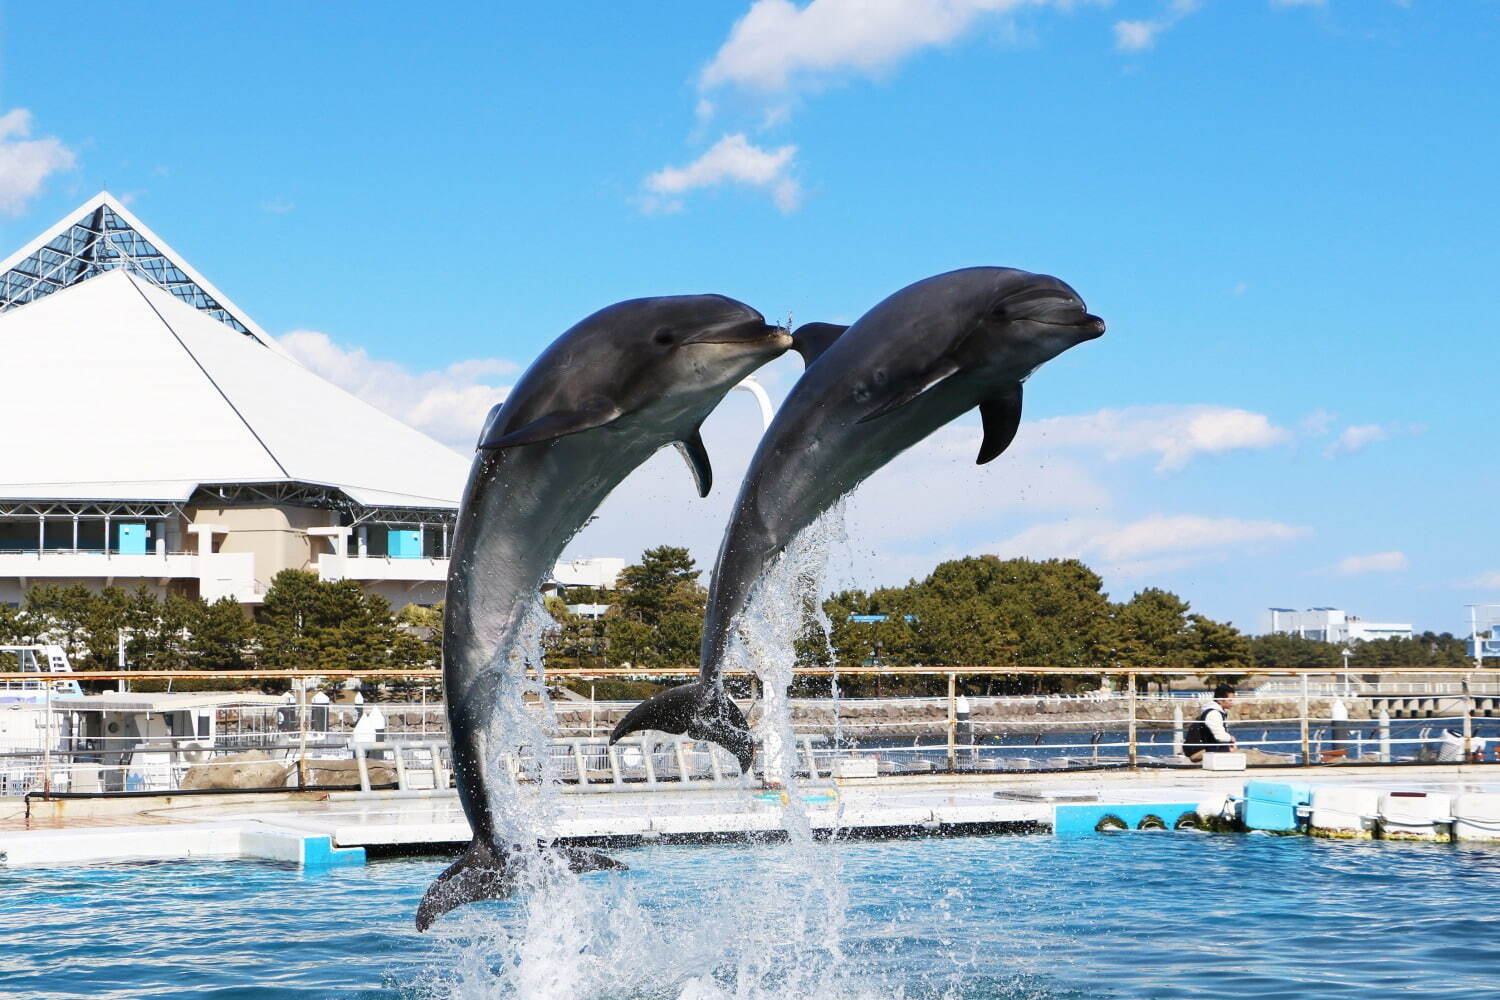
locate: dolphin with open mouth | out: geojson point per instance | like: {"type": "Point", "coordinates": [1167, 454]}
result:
{"type": "Point", "coordinates": [603, 398]}
{"type": "Point", "coordinates": [922, 357]}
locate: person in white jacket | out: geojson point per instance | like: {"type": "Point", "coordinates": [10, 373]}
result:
{"type": "Point", "coordinates": [1210, 732]}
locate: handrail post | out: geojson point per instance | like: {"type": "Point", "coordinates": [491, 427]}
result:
{"type": "Point", "coordinates": [1469, 717]}
{"type": "Point", "coordinates": [400, 766]}
{"type": "Point", "coordinates": [1306, 749]}
{"type": "Point", "coordinates": [580, 764]}
{"type": "Point", "coordinates": [952, 722]}
{"type": "Point", "coordinates": [1130, 685]}
{"type": "Point", "coordinates": [47, 746]}
{"type": "Point", "coordinates": [302, 733]}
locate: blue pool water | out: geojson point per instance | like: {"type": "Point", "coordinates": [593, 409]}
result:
{"type": "Point", "coordinates": [1044, 918]}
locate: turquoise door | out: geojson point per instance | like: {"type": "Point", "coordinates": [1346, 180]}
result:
{"type": "Point", "coordinates": [131, 540]}
{"type": "Point", "coordinates": [404, 544]}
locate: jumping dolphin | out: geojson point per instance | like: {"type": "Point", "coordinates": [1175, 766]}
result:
{"type": "Point", "coordinates": [603, 398]}
{"type": "Point", "coordinates": [925, 355]}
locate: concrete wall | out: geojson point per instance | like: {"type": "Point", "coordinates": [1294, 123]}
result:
{"type": "Point", "coordinates": [276, 536]}
{"type": "Point", "coordinates": [402, 594]}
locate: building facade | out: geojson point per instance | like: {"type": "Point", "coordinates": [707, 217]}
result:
{"type": "Point", "coordinates": [1333, 625]}
{"type": "Point", "coordinates": [152, 434]}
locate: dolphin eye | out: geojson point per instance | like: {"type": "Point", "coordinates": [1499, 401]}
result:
{"type": "Point", "coordinates": [664, 337]}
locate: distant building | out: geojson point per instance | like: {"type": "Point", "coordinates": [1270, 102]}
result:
{"type": "Point", "coordinates": [154, 435]}
{"type": "Point", "coordinates": [600, 574]}
{"type": "Point", "coordinates": [1333, 625]}
{"type": "Point", "coordinates": [596, 574]}
{"type": "Point", "coordinates": [1485, 645]}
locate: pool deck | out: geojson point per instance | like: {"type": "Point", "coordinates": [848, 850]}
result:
{"type": "Point", "coordinates": [335, 828]}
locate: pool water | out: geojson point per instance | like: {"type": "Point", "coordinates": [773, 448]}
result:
{"type": "Point", "coordinates": [1159, 915]}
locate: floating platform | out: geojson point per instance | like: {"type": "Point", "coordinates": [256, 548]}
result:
{"type": "Point", "coordinates": [335, 828]}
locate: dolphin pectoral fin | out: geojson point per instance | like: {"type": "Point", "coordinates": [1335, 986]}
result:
{"type": "Point", "coordinates": [699, 710]}
{"type": "Point", "coordinates": [595, 413]}
{"type": "Point", "coordinates": [482, 873]}
{"type": "Point", "coordinates": [811, 339]}
{"type": "Point", "coordinates": [937, 375]}
{"type": "Point", "coordinates": [696, 456]}
{"type": "Point", "coordinates": [479, 873]}
{"type": "Point", "coordinates": [581, 861]}
{"type": "Point", "coordinates": [1002, 418]}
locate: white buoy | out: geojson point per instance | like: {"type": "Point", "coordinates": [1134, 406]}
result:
{"type": "Point", "coordinates": [1338, 714]}
{"type": "Point", "coordinates": [964, 730]}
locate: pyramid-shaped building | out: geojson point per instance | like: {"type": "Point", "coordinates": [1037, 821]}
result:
{"type": "Point", "coordinates": [155, 434]}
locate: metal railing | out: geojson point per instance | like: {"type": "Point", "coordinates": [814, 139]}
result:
{"type": "Point", "coordinates": [1123, 729]}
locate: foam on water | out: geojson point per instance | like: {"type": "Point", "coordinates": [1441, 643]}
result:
{"type": "Point", "coordinates": [776, 930]}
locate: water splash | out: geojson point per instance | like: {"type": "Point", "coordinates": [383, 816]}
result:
{"type": "Point", "coordinates": [525, 788]}
{"type": "Point", "coordinates": [773, 929]}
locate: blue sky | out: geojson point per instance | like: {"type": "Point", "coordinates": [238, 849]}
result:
{"type": "Point", "coordinates": [1286, 211]}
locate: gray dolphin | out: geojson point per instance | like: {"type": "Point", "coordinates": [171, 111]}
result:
{"type": "Point", "coordinates": [603, 398]}
{"type": "Point", "coordinates": [925, 355]}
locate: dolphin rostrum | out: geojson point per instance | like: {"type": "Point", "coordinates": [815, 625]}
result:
{"type": "Point", "coordinates": [922, 357]}
{"type": "Point", "coordinates": [602, 399]}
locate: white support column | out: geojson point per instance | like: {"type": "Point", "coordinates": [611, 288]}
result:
{"type": "Point", "coordinates": [364, 540]}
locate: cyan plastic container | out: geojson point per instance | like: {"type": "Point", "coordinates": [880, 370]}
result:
{"type": "Point", "coordinates": [1272, 805]}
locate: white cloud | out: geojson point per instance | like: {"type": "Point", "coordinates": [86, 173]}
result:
{"type": "Point", "coordinates": [778, 43]}
{"type": "Point", "coordinates": [1484, 581]}
{"type": "Point", "coordinates": [1136, 36]}
{"type": "Point", "coordinates": [26, 163]}
{"type": "Point", "coordinates": [1151, 544]}
{"type": "Point", "coordinates": [1379, 562]}
{"type": "Point", "coordinates": [1318, 422]}
{"type": "Point", "coordinates": [1355, 438]}
{"type": "Point", "coordinates": [449, 404]}
{"type": "Point", "coordinates": [1176, 434]}
{"type": "Point", "coordinates": [277, 206]}
{"type": "Point", "coordinates": [1301, 3]}
{"type": "Point", "coordinates": [1157, 535]}
{"type": "Point", "coordinates": [1132, 36]}
{"type": "Point", "coordinates": [731, 160]}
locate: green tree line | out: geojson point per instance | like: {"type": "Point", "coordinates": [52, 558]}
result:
{"type": "Point", "coordinates": [975, 611]}
{"type": "Point", "coordinates": [305, 623]}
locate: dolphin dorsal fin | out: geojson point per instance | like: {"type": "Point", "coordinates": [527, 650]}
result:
{"type": "Point", "coordinates": [1001, 414]}
{"type": "Point", "coordinates": [943, 369]}
{"type": "Point", "coordinates": [592, 413]}
{"type": "Point", "coordinates": [696, 456]}
{"type": "Point", "coordinates": [811, 339]}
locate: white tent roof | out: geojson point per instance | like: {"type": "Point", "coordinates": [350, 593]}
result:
{"type": "Point", "coordinates": [119, 388]}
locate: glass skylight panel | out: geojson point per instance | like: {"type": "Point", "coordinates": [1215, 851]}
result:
{"type": "Point", "coordinates": [103, 241]}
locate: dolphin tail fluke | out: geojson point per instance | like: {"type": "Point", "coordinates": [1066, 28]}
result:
{"type": "Point", "coordinates": [479, 873]}
{"type": "Point", "coordinates": [482, 873]}
{"type": "Point", "coordinates": [701, 711]}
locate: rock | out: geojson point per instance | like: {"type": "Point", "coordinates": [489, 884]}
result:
{"type": "Point", "coordinates": [345, 773]}
{"type": "Point", "coordinates": [255, 769]}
